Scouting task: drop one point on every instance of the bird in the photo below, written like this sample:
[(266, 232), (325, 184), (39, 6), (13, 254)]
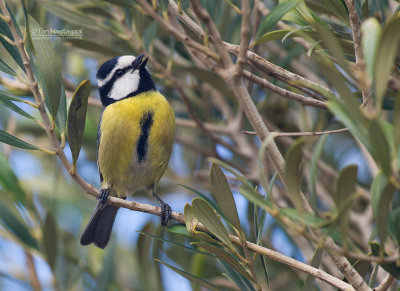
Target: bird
[(135, 138)]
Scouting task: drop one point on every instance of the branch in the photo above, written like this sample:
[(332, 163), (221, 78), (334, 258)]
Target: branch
[(355, 30), (307, 101), (273, 255), (305, 133)]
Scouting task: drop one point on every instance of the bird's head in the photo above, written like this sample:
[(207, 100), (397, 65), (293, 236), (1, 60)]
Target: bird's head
[(123, 77)]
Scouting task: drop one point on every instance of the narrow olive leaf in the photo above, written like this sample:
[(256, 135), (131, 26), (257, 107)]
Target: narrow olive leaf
[(70, 15), (7, 96), (207, 216), (6, 68), (255, 197), (391, 268), (178, 229), (347, 117), (91, 45), (15, 108), (191, 277), (149, 35), (106, 275), (77, 118), (223, 195), (371, 34), (396, 125), (274, 16), (50, 239), (394, 224), (9, 181), (176, 244), (61, 118), (292, 177), (205, 197), (381, 197), (315, 262), (381, 150), (313, 171), (16, 227), (304, 217), (49, 68), (386, 54), (14, 141), (191, 223), (345, 184), (272, 35), (11, 49), (240, 281), (225, 256)]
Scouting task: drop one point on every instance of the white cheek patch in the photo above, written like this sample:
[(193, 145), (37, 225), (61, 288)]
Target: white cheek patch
[(123, 62), (126, 84)]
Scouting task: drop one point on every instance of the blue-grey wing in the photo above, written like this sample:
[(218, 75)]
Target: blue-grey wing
[(98, 146)]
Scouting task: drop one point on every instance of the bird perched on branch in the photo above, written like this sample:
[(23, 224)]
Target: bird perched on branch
[(135, 138)]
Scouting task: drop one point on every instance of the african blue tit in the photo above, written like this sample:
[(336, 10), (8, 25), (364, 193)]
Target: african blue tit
[(135, 138)]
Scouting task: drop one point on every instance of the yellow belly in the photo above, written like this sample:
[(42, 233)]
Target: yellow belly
[(119, 162)]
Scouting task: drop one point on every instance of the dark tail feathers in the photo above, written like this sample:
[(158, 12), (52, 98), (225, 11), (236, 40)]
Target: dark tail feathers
[(98, 230)]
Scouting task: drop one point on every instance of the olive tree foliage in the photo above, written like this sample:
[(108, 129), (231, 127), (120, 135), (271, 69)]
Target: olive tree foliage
[(288, 128)]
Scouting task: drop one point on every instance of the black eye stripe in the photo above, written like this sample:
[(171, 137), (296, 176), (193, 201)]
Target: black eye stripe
[(121, 72)]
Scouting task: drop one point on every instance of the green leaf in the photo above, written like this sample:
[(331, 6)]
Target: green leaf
[(240, 281), (371, 34), (346, 184), (223, 195), (11, 49), (396, 125), (191, 277), (6, 68), (394, 223), (176, 244), (61, 118), (149, 35), (7, 96), (191, 224), (206, 198), (90, 45), (207, 216), (49, 68), (77, 118), (225, 256), (9, 181), (69, 14), (385, 56), (16, 226), (313, 171), (15, 108), (380, 146), (316, 261), (106, 275), (255, 197), (392, 268), (50, 239), (272, 35), (14, 141), (381, 197), (292, 177), (274, 16), (304, 217)]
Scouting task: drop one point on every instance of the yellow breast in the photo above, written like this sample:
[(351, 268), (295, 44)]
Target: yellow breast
[(137, 136)]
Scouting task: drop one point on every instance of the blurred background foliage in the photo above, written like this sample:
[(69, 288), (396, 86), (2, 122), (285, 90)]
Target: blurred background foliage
[(351, 179)]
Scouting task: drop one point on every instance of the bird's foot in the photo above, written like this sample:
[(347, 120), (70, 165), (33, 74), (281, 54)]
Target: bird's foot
[(104, 193), (165, 211)]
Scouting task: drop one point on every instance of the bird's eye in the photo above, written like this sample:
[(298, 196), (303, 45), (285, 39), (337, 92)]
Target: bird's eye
[(119, 73)]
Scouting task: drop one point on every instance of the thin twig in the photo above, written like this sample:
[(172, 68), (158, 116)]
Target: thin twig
[(273, 255), (305, 133)]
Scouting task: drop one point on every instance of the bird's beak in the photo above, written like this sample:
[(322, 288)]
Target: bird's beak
[(137, 62), (144, 62)]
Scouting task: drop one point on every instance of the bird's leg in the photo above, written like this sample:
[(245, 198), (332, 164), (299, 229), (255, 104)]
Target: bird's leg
[(165, 211), (104, 193)]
